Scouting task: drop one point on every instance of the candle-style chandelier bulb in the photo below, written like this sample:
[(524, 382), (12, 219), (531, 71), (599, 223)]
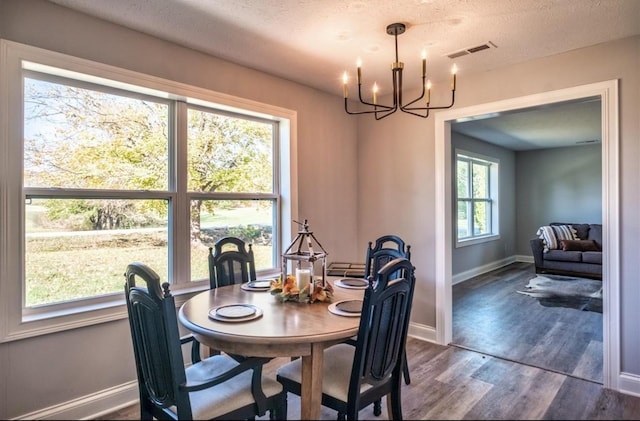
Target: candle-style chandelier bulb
[(381, 111)]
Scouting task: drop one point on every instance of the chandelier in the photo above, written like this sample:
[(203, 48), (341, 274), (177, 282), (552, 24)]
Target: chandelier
[(414, 107)]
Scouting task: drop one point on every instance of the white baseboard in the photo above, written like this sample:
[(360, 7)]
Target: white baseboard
[(463, 276), (109, 400), (524, 258), (468, 274), (90, 406), (422, 332), (629, 384)]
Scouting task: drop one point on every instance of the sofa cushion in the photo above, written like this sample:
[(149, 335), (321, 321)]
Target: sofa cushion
[(552, 234), (564, 256), (579, 245), (592, 257), (582, 230), (595, 234)]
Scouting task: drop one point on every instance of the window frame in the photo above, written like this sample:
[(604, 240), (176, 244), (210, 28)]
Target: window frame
[(14, 58), (493, 172)]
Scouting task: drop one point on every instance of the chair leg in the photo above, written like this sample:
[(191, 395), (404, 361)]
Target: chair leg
[(145, 414), (280, 413), (405, 369), (377, 407), (394, 404)]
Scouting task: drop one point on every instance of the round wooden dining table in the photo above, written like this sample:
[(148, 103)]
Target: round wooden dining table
[(283, 329)]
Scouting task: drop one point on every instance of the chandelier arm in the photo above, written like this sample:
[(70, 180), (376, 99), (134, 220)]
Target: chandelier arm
[(365, 111), (416, 114), (396, 76), (385, 107), (388, 113), (444, 107), (407, 106)]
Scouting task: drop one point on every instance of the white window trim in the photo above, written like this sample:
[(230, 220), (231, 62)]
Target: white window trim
[(12, 55), (494, 187)]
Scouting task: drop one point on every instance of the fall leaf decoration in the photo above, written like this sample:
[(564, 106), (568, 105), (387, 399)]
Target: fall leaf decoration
[(288, 291)]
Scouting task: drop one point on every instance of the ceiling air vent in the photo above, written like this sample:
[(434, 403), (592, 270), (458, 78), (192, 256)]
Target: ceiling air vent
[(472, 50)]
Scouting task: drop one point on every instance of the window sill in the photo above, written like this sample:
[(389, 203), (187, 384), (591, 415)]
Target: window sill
[(57, 320), (477, 240)]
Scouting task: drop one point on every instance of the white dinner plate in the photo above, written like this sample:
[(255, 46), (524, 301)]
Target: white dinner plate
[(257, 285), (352, 283), (235, 313)]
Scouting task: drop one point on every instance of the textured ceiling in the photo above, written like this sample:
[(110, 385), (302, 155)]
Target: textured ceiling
[(313, 41), (571, 123)]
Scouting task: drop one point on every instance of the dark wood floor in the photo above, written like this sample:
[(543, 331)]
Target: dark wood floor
[(491, 317), (450, 382)]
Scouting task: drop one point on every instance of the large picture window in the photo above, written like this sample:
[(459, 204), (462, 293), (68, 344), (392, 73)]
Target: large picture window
[(476, 197), (98, 185), (90, 157), (104, 173)]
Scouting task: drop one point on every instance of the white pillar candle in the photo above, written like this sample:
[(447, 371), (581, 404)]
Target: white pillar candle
[(303, 278)]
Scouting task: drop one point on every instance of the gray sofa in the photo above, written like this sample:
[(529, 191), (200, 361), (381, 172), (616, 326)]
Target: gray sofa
[(572, 262)]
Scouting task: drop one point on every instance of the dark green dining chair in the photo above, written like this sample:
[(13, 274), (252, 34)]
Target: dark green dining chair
[(218, 387), (230, 262), (358, 374), (385, 249)]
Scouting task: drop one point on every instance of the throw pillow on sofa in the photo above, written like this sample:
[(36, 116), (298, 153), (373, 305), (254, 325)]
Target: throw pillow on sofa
[(551, 235), (579, 245)]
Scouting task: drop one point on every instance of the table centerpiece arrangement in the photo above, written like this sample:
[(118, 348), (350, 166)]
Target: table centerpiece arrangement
[(308, 258), (289, 290)]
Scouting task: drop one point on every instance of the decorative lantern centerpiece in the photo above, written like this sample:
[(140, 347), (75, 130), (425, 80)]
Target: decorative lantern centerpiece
[(306, 280)]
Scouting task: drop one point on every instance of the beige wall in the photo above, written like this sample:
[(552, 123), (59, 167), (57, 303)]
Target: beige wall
[(397, 184), (52, 369), (557, 185), (468, 258), (358, 179)]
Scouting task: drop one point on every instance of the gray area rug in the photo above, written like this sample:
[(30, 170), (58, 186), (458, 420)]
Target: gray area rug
[(566, 291)]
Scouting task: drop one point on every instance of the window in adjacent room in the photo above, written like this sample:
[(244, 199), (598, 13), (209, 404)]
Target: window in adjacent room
[(476, 198)]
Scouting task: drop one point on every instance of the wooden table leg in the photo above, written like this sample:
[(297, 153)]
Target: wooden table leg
[(311, 388)]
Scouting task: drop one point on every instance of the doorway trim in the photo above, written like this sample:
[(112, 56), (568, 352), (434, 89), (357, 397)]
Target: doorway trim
[(608, 92)]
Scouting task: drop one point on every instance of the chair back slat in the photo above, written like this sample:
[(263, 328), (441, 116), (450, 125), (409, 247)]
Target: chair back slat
[(383, 325), (231, 263), (385, 249), (155, 336)]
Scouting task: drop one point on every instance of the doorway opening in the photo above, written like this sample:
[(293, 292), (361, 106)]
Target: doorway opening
[(608, 94)]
